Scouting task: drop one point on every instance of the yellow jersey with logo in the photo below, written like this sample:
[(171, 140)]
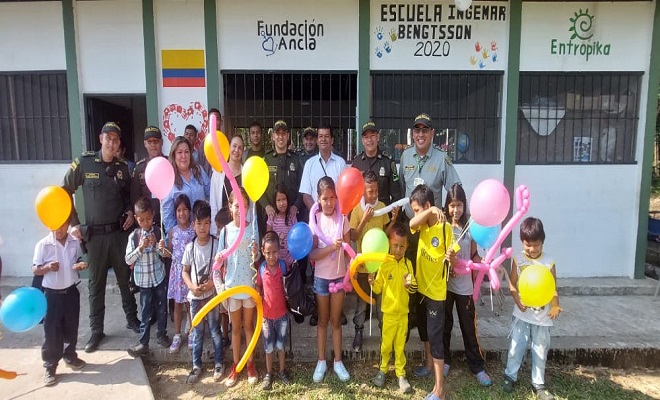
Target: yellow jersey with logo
[(432, 271)]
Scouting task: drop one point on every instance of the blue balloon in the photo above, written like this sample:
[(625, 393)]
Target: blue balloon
[(23, 309), (300, 240), (484, 236)]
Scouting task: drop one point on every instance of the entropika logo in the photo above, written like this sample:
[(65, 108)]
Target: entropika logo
[(580, 44)]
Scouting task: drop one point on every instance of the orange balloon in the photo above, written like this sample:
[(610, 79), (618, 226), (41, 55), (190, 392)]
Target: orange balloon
[(362, 258), (53, 206), (209, 151)]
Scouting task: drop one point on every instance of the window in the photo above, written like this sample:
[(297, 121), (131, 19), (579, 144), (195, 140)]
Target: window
[(567, 118), (34, 117), (464, 107), (301, 99)]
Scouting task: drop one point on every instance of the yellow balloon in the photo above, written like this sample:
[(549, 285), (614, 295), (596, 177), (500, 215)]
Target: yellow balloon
[(219, 298), (53, 206), (209, 150), (255, 177), (361, 259), (536, 286)]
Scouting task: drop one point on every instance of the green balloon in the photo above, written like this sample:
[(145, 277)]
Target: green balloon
[(375, 241)]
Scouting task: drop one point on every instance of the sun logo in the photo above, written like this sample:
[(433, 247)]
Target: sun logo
[(581, 26)]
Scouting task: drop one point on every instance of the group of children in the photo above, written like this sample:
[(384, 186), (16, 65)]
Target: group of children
[(193, 280)]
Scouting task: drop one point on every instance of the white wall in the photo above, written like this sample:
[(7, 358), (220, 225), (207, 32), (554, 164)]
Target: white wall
[(589, 214), (33, 36), (110, 46), (21, 229)]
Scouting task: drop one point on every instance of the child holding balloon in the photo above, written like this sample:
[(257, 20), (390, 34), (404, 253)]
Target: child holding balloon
[(282, 222), (329, 272), (57, 258), (238, 270), (177, 239), (461, 287), (435, 237), (531, 323)]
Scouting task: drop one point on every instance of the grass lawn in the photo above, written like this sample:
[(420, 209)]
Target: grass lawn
[(168, 382)]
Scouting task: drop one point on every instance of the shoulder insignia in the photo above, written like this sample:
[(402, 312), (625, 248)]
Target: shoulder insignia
[(437, 147), (386, 154), (120, 161), (74, 164), (142, 161), (89, 153)]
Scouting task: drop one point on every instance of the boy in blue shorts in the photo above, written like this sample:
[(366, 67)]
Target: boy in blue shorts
[(435, 235)]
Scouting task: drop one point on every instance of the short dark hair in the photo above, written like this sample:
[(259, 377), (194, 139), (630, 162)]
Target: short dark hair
[(222, 217), (370, 177), (257, 124), (182, 199), (422, 194), (201, 210), (212, 110), (270, 237), (325, 125), (399, 229), (191, 126), (531, 230), (143, 204)]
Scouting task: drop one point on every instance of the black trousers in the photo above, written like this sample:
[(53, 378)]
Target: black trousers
[(60, 326), (467, 320)]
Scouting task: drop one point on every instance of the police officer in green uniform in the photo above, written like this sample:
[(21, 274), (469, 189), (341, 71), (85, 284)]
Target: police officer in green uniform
[(284, 167), (373, 159), (106, 186), (153, 142), (309, 149)]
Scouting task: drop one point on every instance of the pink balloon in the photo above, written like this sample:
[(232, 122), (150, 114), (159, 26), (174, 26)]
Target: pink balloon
[(490, 203), (159, 176)]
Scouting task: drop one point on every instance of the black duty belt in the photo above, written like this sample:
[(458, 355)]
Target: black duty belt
[(61, 291), (103, 229)]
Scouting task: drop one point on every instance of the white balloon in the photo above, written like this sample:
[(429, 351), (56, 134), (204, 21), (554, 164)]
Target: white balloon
[(462, 5)]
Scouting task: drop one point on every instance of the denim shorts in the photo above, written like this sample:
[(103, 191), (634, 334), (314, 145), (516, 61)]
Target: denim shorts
[(274, 333), (322, 286)]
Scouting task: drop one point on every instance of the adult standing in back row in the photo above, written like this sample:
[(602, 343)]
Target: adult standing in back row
[(106, 187)]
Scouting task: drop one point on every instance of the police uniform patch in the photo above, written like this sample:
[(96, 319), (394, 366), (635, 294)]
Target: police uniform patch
[(381, 171), (91, 175), (409, 167), (435, 241), (393, 171), (292, 167), (272, 168), (120, 175)]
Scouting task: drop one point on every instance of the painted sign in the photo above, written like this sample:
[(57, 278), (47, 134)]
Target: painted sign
[(437, 36), (586, 36), (304, 35)]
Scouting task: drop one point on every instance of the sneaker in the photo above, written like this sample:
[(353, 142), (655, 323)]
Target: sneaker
[(379, 380), (267, 384), (422, 372), (232, 378), (163, 340), (194, 375), (484, 379), (507, 384), (253, 376), (139, 350), (217, 372), (134, 325), (357, 341), (314, 320), (404, 385), (544, 394), (445, 371), (176, 344), (341, 371), (75, 364), (284, 378), (49, 377), (319, 371)]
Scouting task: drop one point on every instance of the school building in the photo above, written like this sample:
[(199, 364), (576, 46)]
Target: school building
[(559, 96)]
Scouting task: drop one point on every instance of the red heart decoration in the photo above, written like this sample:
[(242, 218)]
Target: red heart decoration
[(176, 117)]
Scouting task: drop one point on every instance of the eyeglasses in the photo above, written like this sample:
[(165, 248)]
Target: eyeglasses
[(421, 130)]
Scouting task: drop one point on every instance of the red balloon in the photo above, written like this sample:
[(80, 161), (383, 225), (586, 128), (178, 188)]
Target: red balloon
[(350, 188)]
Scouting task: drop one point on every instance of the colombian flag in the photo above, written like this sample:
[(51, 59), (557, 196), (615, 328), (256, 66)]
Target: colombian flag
[(183, 68)]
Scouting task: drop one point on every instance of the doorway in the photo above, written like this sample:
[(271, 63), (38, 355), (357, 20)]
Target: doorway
[(128, 111)]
